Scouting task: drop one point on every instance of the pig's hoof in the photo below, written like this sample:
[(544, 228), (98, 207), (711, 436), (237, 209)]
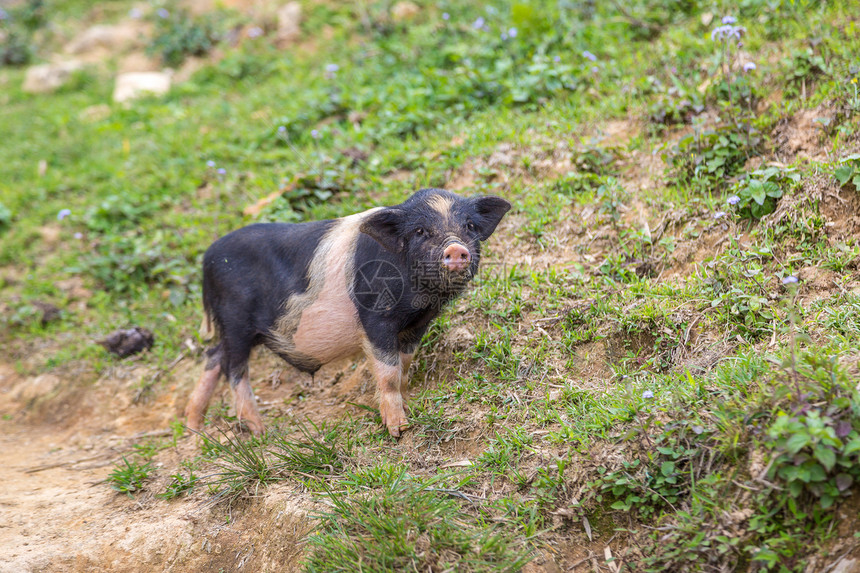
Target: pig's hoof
[(194, 420), (256, 427), (398, 425)]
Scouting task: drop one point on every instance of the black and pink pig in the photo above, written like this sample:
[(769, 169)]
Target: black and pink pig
[(318, 291)]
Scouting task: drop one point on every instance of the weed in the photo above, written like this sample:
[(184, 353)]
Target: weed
[(756, 196), (178, 35), (130, 477), (244, 465), (849, 171), (179, 485), (316, 453), (408, 523)]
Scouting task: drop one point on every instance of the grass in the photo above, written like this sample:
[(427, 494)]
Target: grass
[(633, 353)]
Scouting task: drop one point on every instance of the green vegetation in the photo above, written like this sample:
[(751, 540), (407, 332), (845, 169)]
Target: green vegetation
[(660, 349), (129, 477)]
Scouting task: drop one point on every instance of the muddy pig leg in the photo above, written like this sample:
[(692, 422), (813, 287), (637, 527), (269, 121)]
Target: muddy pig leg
[(388, 377), (246, 404), (202, 394)]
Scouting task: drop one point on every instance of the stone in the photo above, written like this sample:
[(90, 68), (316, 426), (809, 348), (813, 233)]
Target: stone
[(846, 565), (404, 11), (289, 21), (46, 78), (136, 84)]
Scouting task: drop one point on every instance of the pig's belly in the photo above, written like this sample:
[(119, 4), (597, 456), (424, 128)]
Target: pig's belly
[(329, 328)]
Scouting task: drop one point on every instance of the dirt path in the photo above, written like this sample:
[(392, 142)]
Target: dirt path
[(57, 514)]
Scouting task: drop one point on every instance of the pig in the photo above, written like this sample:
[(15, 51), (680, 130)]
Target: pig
[(318, 291)]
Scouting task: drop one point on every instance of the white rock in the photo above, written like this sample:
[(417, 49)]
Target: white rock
[(846, 565), (289, 21), (135, 84), (48, 77)]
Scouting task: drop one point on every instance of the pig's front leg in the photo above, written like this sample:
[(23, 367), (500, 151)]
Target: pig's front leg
[(388, 381)]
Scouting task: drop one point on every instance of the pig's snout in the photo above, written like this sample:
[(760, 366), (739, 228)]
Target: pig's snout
[(456, 257)]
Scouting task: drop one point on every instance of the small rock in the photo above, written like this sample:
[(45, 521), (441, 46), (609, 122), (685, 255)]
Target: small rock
[(404, 11), (135, 84), (46, 78), (846, 565), (127, 342), (707, 18), (289, 21)]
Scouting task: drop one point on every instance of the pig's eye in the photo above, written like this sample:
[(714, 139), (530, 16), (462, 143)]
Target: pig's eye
[(419, 232), (471, 226)]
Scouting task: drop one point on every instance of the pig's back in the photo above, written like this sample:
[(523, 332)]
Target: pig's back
[(252, 271)]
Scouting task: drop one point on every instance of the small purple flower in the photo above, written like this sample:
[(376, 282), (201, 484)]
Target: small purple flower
[(647, 394), (749, 66), (512, 32), (719, 214), (445, 15), (63, 214), (210, 163), (727, 31), (315, 134), (733, 200), (589, 56), (221, 171), (255, 32), (729, 20), (504, 35), (594, 69), (479, 23), (332, 68), (4, 15), (556, 59), (163, 13), (135, 14), (282, 129), (789, 280), (79, 235)]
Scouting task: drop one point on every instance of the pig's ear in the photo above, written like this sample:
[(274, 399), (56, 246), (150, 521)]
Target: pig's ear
[(490, 210), (386, 228)]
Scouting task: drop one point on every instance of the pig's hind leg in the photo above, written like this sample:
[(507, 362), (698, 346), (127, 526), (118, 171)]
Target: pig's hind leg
[(202, 394), (246, 404), (237, 356)]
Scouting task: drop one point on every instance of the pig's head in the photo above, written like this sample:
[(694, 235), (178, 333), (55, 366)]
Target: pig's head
[(437, 235)]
